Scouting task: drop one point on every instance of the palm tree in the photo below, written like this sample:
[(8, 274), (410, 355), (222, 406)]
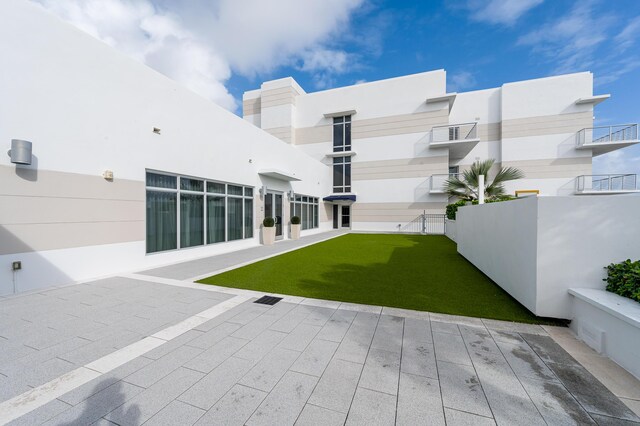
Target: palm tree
[(467, 187)]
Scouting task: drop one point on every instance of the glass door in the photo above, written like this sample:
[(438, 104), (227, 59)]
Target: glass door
[(273, 208)]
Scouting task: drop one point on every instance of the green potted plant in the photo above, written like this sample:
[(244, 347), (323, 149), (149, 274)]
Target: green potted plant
[(268, 231), (295, 227)]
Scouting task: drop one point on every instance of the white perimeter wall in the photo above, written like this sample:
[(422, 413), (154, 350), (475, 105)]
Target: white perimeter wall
[(88, 108), (537, 248)]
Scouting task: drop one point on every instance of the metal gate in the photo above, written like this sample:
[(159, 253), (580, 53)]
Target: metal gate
[(433, 224)]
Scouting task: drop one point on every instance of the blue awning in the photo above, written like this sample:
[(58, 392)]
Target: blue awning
[(346, 197)]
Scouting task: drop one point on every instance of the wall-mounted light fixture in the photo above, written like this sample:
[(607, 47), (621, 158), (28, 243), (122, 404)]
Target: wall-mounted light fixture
[(108, 175), (20, 152), (291, 194), (263, 191), (156, 130)]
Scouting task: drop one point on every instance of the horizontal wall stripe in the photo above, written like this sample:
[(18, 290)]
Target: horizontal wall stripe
[(251, 106), (399, 169), (376, 127), (553, 168), (490, 131), (51, 236), (546, 125), (46, 183), (25, 210), (401, 213)]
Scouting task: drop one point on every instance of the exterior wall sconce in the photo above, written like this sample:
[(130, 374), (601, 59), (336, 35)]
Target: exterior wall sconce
[(20, 152), (156, 130), (108, 175), (291, 194), (263, 191)]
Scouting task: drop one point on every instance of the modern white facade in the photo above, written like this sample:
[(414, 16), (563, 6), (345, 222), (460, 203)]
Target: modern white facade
[(408, 134), (130, 170)]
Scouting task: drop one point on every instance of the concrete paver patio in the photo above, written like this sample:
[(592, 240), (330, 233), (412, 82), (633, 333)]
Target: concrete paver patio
[(291, 363)]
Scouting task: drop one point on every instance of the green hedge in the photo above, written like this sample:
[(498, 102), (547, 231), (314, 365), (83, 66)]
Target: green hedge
[(453, 208), (624, 279)]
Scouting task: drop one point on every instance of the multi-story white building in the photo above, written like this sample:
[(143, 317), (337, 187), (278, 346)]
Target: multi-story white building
[(130, 170), (391, 144)]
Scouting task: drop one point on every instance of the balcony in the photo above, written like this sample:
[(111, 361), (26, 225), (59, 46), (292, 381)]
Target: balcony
[(606, 184), (459, 138), (437, 182), (603, 139)]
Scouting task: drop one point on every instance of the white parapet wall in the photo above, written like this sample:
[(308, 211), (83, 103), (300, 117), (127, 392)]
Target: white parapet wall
[(537, 248), (450, 229)]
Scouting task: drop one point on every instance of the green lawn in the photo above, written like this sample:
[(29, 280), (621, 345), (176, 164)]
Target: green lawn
[(405, 271)]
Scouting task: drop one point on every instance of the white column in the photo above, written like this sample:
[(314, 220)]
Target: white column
[(481, 189)]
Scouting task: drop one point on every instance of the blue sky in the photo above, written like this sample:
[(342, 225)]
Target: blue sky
[(221, 48)]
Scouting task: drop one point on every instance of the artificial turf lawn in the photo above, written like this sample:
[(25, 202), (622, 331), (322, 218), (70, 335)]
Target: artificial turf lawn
[(418, 272)]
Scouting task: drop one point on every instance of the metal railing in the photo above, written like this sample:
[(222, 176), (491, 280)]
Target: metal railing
[(605, 134), (437, 182), (596, 183), (425, 224), (454, 132)]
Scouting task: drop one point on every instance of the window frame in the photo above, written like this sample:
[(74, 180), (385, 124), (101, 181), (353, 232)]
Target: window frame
[(309, 204), (245, 189)]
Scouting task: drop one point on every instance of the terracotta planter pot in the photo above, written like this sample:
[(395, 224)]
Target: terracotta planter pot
[(268, 235), (295, 231)]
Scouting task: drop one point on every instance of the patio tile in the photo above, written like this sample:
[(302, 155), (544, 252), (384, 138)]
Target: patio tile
[(216, 384), (445, 327), (337, 386), (41, 414), (417, 330), (525, 362), (300, 337), (337, 326), (450, 348), (381, 371), (148, 375), (357, 307), (261, 345), (313, 416), (372, 408), (176, 413), (234, 408), (460, 418), (555, 403), (292, 319), (355, 344), (315, 358), (514, 327), (320, 315), (173, 344), (285, 403), (457, 319), (388, 335), (149, 402), (216, 355), (418, 357), (266, 373), (419, 401), (213, 336), (461, 389), (98, 405), (406, 313), (612, 421)]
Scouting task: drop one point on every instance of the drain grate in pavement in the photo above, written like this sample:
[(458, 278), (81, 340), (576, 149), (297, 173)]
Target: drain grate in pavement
[(268, 300)]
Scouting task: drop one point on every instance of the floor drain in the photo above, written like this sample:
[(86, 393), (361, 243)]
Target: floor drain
[(268, 300)]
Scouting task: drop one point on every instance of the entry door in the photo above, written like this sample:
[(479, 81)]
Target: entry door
[(345, 216), (273, 208)]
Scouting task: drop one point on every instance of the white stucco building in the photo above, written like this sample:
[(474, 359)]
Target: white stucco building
[(404, 136), (130, 170)]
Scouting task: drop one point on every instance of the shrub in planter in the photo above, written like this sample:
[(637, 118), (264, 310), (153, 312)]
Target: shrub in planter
[(268, 222), (624, 279), (268, 231), (295, 227)]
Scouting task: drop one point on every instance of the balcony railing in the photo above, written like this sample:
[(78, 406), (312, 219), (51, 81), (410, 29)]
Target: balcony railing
[(607, 134), (606, 183), (454, 132), (437, 182)]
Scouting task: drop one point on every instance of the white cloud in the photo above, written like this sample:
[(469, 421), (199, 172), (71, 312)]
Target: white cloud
[(200, 43), (460, 81), (505, 12), (629, 35)]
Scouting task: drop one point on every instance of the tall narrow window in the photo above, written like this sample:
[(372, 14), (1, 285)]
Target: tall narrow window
[(215, 219), (306, 208), (234, 219), (248, 218), (342, 174), (342, 133), (191, 220), (162, 222)]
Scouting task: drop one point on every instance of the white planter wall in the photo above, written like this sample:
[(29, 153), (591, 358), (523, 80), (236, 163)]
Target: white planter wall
[(536, 248)]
